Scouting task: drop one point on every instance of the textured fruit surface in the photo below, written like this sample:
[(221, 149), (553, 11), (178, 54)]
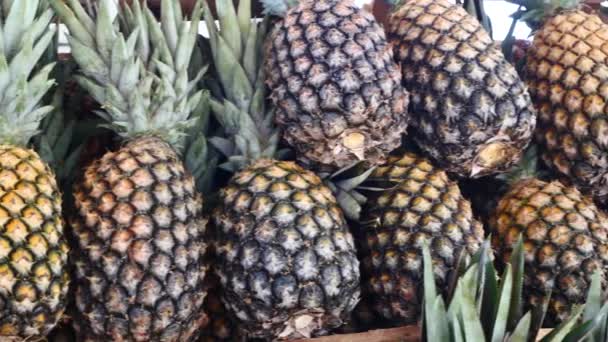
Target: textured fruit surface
[(335, 85), (422, 205), (565, 240), (33, 250), (470, 111), (139, 247), (568, 79), (286, 259)]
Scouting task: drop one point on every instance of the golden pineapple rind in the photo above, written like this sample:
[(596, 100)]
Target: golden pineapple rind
[(285, 254), (470, 111), (33, 250), (567, 76), (335, 85), (565, 239), (421, 204), (139, 248)]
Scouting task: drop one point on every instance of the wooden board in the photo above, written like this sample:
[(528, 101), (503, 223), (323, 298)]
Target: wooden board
[(402, 334)]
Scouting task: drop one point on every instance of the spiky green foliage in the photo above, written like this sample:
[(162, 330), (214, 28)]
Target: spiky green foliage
[(199, 159), (24, 38), (533, 12), (527, 167), (487, 308), (241, 110), (138, 69), (595, 315), (54, 144)]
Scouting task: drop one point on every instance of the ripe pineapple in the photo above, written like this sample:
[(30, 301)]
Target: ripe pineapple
[(285, 258), (33, 250), (420, 204), (334, 83), (565, 239), (139, 228), (566, 73), (470, 111)]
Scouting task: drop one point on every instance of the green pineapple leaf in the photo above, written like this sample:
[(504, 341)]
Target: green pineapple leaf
[(26, 68), (143, 90), (580, 332), (517, 262), (522, 329), (594, 297), (595, 311), (490, 313), (560, 332), (238, 98), (473, 331), (538, 315), (435, 322), (501, 316)]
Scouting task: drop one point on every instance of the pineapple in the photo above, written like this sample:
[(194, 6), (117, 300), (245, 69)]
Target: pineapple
[(285, 257), (470, 111), (566, 72), (33, 250), (565, 239), (138, 229), (335, 86), (419, 205)]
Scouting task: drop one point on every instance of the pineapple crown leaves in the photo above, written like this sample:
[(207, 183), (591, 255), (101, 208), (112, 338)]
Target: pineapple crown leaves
[(24, 38), (485, 307), (278, 7), (527, 167), (346, 184), (136, 69), (533, 12), (199, 159), (237, 49), (55, 142)]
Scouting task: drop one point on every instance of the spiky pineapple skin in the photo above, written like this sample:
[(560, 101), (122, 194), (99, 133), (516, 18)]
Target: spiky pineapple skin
[(335, 85), (34, 276), (285, 255), (420, 204), (567, 73), (138, 256), (470, 111), (565, 238)]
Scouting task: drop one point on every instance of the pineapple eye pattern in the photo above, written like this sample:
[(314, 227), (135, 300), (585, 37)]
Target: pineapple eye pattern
[(284, 250), (421, 204)]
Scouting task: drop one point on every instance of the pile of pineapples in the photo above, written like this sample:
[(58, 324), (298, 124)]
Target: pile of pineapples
[(303, 174)]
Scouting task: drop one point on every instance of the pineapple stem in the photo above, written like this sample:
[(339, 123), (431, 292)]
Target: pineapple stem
[(136, 69)]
